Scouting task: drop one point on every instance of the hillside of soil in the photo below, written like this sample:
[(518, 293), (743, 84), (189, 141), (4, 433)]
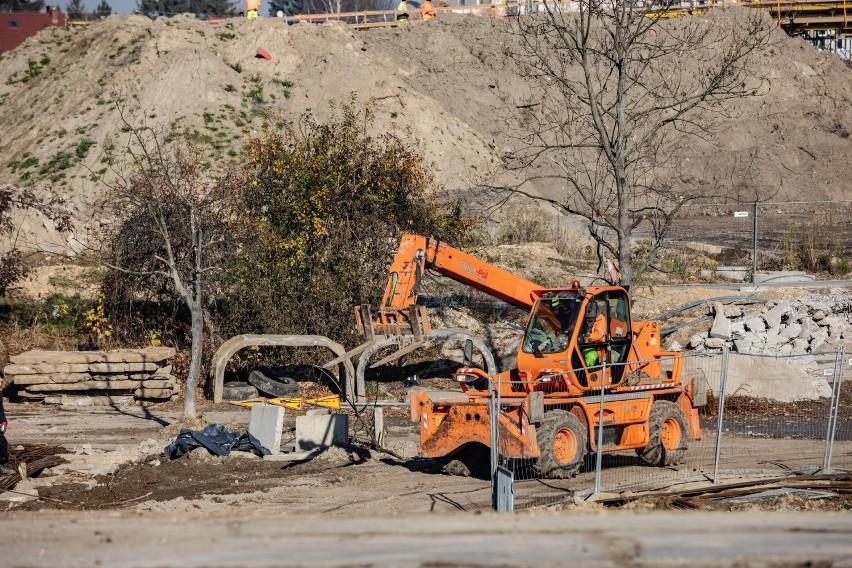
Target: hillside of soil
[(64, 92)]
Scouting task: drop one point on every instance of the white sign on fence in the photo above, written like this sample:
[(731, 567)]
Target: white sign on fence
[(827, 372), (740, 213)]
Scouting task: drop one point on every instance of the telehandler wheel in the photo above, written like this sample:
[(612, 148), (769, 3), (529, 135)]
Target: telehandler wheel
[(667, 442), (563, 442)]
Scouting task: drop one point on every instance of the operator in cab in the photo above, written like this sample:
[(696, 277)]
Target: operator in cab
[(594, 324)]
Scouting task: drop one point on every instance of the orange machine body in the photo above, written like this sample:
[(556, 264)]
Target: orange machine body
[(559, 364)]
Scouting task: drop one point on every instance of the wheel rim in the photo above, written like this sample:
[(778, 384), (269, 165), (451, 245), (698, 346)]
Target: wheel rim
[(671, 434), (565, 446)]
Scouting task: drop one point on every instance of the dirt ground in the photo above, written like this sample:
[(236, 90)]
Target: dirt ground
[(115, 463)]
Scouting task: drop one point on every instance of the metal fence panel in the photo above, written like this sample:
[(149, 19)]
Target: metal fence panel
[(764, 416)]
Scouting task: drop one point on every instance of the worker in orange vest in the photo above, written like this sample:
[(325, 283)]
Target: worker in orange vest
[(252, 8), (426, 10)]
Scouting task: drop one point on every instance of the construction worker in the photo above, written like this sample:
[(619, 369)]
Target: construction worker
[(252, 8), (402, 12), (4, 446), (426, 10), (595, 325)]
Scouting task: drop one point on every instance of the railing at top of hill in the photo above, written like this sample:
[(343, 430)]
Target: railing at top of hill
[(796, 14)]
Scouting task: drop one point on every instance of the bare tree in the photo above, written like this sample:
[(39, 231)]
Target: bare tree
[(614, 92), (170, 225), (14, 199)]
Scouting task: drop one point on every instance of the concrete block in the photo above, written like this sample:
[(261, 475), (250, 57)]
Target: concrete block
[(84, 385), (733, 311), (742, 345), (818, 315), (56, 378), (721, 327), (122, 367), (783, 276), (738, 329), (145, 392), (158, 384), (734, 273), (266, 424), (313, 431), (714, 343), (148, 354), (785, 349), (774, 316), (756, 324), (791, 331), (800, 346), (817, 341), (697, 340), (807, 330), (379, 425)]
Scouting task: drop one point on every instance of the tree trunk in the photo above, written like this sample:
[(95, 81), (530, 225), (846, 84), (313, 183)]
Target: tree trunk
[(195, 362)]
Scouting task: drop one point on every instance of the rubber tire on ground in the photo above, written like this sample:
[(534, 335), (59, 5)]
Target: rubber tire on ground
[(238, 391), (273, 382), (667, 441), (563, 442)]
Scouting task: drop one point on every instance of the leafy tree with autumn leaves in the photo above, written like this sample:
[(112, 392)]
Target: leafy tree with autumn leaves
[(324, 205)]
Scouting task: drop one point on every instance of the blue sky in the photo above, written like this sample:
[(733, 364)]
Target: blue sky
[(121, 7)]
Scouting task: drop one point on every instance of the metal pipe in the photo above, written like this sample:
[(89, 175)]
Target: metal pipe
[(723, 383), (754, 246), (599, 453), (833, 409)]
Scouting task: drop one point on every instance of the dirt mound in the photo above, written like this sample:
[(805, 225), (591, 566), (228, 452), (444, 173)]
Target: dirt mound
[(437, 80)]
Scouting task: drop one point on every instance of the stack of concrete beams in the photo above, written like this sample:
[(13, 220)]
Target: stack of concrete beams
[(144, 373)]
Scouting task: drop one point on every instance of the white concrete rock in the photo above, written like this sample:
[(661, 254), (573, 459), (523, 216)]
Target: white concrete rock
[(756, 324)]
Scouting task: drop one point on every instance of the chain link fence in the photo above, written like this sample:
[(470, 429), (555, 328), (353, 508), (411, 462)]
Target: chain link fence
[(764, 417), (735, 241)]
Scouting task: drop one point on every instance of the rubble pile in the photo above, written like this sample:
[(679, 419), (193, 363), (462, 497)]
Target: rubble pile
[(144, 373), (781, 328)]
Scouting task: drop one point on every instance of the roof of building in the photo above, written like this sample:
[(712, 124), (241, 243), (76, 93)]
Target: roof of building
[(15, 27)]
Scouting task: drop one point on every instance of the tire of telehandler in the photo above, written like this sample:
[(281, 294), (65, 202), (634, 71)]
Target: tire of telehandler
[(563, 443), (667, 441)]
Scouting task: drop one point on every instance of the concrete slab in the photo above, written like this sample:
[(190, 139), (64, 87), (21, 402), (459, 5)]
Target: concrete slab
[(321, 431), (266, 424), (783, 276)]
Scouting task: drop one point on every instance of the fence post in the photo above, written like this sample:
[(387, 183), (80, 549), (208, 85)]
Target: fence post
[(492, 425), (599, 453), (723, 383), (836, 382), (754, 245)]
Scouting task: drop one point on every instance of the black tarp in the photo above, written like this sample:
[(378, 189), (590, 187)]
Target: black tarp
[(217, 439)]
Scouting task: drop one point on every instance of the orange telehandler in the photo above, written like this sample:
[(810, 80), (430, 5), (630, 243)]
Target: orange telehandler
[(550, 404)]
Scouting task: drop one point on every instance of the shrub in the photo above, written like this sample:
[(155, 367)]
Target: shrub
[(324, 206)]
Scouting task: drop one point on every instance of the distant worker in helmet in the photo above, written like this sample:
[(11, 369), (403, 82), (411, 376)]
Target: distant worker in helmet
[(426, 10), (252, 8), (402, 12), (595, 332)]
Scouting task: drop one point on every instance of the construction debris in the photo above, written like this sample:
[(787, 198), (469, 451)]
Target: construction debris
[(806, 325), (28, 461), (144, 373)]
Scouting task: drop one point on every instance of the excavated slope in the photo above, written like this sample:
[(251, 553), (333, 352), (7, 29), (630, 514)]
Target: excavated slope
[(437, 80)]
